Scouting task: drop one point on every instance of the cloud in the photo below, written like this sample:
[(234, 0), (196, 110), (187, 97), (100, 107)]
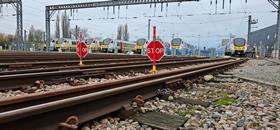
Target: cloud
[(187, 21)]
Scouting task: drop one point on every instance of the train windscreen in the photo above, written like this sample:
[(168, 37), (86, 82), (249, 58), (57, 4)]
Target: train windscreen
[(176, 42), (141, 41), (239, 42), (74, 42), (89, 41), (107, 41)]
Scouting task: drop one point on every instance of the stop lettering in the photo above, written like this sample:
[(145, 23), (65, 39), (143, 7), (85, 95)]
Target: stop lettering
[(155, 50)]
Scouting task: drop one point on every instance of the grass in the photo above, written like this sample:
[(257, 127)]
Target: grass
[(184, 112), (226, 101)]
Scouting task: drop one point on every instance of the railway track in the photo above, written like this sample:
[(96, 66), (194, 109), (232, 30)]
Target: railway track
[(15, 57), (62, 74), (49, 64), (50, 110), (12, 56)]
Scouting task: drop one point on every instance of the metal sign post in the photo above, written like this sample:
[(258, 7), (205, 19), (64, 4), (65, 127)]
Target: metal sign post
[(155, 51)]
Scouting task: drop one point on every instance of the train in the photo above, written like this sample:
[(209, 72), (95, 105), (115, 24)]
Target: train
[(236, 47), (108, 45), (62, 44), (180, 47), (176, 47), (140, 45), (116, 46)]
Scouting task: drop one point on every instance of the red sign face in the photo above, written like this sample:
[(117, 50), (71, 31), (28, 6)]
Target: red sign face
[(81, 49), (155, 50)]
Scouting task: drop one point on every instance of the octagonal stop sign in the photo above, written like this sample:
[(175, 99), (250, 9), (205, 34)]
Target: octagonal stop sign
[(155, 50), (81, 50)]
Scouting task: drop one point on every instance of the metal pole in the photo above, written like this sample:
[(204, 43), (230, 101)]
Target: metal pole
[(19, 26), (199, 45), (278, 31), (249, 29), (25, 35), (48, 29), (76, 31), (149, 26)]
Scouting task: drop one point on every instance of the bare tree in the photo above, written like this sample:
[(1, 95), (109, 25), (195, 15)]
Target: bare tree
[(125, 33), (120, 33), (38, 36), (57, 27), (31, 34), (76, 32), (35, 35), (4, 39), (65, 23)]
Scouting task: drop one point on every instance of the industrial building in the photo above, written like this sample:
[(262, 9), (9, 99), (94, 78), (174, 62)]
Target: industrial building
[(263, 40)]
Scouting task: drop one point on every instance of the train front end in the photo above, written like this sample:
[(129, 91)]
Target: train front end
[(140, 44), (239, 46)]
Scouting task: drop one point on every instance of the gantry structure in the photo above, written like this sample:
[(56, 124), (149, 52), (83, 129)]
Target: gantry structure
[(19, 32), (50, 10)]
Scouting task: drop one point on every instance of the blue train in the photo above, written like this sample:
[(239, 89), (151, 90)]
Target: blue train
[(179, 47)]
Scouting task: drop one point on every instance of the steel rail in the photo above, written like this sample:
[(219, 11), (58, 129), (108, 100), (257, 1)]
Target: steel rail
[(48, 64), (97, 64), (28, 79), (93, 105), (38, 98), (39, 56)]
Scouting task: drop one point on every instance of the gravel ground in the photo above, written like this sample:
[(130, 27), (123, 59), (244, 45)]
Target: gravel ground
[(261, 70), (234, 106), (41, 87)]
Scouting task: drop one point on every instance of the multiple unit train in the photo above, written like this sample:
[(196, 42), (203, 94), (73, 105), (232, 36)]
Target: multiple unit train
[(180, 47), (141, 45), (108, 45), (236, 47), (94, 45)]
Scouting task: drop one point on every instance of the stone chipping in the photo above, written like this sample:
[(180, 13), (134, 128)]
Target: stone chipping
[(234, 105)]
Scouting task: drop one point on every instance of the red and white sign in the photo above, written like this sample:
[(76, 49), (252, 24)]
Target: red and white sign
[(155, 51), (82, 50), (81, 47)]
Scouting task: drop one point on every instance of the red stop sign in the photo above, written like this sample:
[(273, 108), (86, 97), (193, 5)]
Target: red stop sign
[(81, 49), (155, 50)]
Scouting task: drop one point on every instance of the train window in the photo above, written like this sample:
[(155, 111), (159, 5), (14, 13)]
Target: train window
[(107, 41), (74, 42), (141, 41), (239, 42), (176, 42)]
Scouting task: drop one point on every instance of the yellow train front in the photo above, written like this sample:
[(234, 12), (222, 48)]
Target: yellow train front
[(104, 46), (140, 44), (237, 47)]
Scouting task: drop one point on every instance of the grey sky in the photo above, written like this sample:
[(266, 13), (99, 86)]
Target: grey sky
[(211, 28)]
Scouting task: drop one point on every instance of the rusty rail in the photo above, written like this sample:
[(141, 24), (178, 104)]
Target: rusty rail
[(48, 116), (19, 66), (11, 56), (57, 76)]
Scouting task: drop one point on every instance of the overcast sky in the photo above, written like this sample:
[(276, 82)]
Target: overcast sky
[(195, 22)]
